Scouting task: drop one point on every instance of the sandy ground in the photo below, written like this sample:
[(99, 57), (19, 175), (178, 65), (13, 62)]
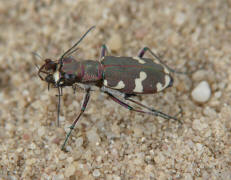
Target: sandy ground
[(110, 142)]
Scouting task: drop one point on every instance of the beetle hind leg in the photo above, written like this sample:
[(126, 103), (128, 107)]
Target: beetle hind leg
[(145, 49), (151, 111), (156, 112)]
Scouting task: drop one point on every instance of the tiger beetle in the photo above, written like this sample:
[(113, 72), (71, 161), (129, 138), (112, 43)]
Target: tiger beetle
[(118, 77)]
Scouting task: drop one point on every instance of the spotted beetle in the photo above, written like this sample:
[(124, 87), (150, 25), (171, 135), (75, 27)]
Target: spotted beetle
[(118, 77)]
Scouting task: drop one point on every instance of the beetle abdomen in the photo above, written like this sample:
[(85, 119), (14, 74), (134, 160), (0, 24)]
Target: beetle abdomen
[(135, 75)]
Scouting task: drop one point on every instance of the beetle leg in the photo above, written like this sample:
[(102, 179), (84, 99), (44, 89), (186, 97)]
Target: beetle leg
[(76, 87), (60, 91), (142, 52), (151, 111), (103, 52), (145, 49), (83, 107), (156, 112)]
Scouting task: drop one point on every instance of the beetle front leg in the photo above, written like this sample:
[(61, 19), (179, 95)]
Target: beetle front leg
[(60, 90), (83, 107)]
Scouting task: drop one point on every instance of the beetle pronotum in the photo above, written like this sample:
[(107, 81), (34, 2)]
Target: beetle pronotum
[(122, 77)]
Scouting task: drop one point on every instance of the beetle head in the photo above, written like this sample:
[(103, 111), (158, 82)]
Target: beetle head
[(52, 69), (48, 71)]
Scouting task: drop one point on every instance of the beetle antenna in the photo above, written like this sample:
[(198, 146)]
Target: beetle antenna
[(36, 66), (76, 44), (74, 50), (37, 55)]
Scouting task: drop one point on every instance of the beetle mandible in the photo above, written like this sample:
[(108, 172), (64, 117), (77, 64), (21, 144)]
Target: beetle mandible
[(118, 77)]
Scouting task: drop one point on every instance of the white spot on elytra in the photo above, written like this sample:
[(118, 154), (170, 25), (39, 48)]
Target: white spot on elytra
[(141, 61), (166, 70), (120, 85), (160, 87), (138, 82)]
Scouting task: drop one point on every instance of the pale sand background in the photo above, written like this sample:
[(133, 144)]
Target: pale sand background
[(110, 142)]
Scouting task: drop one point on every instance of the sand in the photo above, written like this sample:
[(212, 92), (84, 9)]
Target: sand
[(110, 142)]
